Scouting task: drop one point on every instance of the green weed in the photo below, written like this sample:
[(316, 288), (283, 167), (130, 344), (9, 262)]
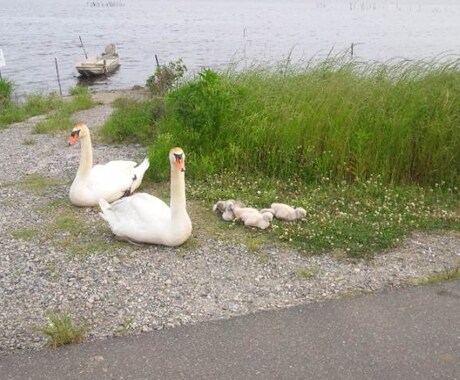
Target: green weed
[(166, 77), (25, 233), (28, 141), (123, 328), (37, 184), (451, 274), (61, 329), (307, 272)]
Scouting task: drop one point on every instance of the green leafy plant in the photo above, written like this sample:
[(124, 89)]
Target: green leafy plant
[(166, 77)]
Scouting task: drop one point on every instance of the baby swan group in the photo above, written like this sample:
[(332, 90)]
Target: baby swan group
[(111, 181), (285, 212), (251, 217)]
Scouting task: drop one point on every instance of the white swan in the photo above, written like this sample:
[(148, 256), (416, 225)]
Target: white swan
[(110, 181), (143, 218)]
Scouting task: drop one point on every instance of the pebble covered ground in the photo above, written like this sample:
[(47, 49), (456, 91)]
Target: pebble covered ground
[(122, 289)]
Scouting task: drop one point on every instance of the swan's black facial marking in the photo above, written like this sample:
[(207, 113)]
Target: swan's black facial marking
[(75, 133), (179, 158)]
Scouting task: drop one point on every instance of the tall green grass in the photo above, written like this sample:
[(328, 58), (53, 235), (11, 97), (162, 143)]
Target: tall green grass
[(337, 119), (133, 121), (6, 89)]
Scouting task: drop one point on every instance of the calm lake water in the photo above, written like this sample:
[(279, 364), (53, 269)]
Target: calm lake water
[(212, 33)]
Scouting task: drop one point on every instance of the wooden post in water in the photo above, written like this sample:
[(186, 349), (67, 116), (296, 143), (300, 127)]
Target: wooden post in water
[(156, 59), (351, 49), (84, 51), (57, 72)]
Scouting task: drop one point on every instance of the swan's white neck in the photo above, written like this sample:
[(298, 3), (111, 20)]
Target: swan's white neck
[(178, 202), (86, 157)]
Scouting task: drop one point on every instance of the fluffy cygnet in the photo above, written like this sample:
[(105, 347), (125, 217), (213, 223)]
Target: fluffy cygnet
[(234, 211), (257, 219), (220, 206), (285, 212)]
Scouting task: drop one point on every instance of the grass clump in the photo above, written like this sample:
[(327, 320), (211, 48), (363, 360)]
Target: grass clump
[(60, 119), (37, 184), (61, 329), (33, 105), (133, 121), (307, 272), (6, 89), (38, 104)]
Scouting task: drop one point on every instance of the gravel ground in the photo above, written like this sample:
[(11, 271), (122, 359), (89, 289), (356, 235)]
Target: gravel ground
[(127, 289)]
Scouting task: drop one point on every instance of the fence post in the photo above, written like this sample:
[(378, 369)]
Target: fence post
[(57, 72)]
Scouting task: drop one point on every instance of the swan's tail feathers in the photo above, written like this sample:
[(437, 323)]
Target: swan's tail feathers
[(139, 172), (104, 205)]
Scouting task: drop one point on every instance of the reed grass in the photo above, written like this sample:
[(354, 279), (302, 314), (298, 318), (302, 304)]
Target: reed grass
[(339, 119)]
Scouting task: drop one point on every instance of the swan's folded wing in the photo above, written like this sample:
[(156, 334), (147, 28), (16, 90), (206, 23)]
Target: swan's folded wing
[(113, 177), (141, 208), (140, 217)]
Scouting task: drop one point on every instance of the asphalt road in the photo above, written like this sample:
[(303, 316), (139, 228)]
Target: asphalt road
[(411, 333)]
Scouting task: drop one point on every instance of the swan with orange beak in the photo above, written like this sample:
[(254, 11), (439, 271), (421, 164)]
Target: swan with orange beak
[(111, 181)]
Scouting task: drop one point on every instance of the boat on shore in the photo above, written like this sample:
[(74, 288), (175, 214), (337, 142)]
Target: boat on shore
[(102, 64)]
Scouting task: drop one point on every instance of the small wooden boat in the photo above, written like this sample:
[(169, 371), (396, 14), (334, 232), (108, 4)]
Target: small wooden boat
[(102, 64)]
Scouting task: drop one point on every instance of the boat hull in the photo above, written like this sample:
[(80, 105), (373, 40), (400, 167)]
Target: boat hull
[(95, 66)]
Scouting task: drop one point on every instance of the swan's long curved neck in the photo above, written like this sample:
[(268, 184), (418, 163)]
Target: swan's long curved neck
[(86, 157), (178, 202)]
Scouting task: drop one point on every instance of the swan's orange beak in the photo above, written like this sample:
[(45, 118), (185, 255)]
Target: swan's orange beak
[(179, 161), (73, 138)]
